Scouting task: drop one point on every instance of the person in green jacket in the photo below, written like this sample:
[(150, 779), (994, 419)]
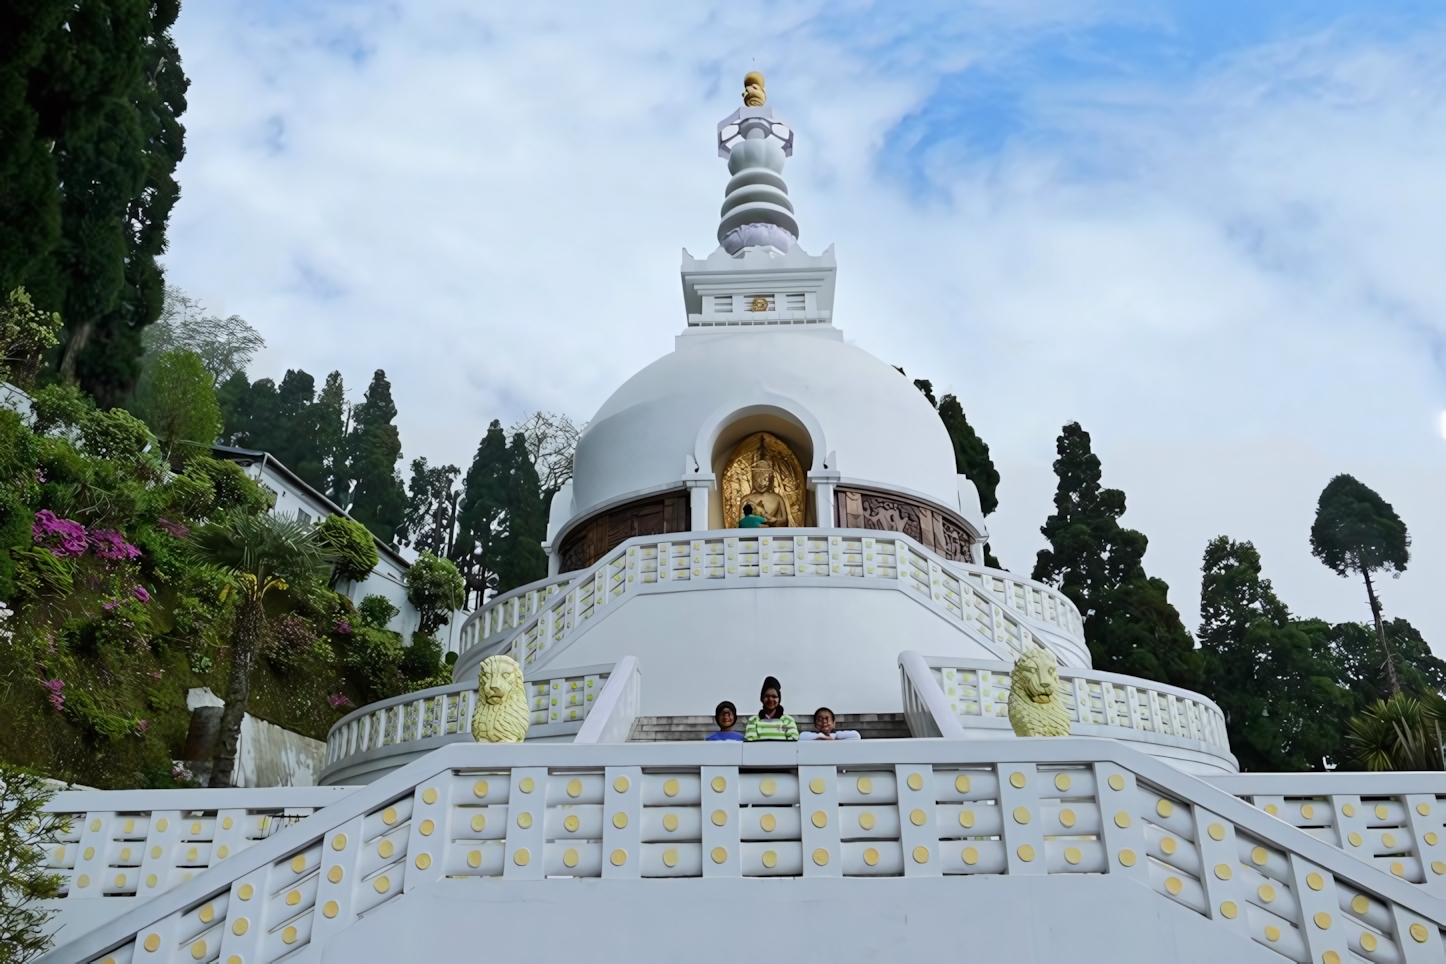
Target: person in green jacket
[(771, 723), (750, 520)]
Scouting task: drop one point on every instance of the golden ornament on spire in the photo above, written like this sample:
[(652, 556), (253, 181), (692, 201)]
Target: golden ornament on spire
[(753, 93)]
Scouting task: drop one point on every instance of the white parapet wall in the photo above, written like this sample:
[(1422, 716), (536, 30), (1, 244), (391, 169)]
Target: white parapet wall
[(1075, 847)]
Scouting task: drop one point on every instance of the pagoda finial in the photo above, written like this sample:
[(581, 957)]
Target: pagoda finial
[(754, 94)]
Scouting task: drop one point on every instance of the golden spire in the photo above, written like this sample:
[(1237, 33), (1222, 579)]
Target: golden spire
[(753, 93)]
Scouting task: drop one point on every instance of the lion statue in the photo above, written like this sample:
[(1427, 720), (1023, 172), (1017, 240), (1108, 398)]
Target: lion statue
[(1036, 706), (502, 715)]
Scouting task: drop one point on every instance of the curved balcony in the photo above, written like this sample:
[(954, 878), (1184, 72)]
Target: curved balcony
[(1000, 610), (969, 699), (382, 736)]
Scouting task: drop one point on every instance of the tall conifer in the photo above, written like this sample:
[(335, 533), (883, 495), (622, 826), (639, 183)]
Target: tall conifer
[(522, 559), (484, 495), (378, 499)]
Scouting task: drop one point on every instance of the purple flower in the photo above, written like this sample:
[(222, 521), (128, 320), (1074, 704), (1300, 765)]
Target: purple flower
[(61, 537), (338, 700), (56, 687), (142, 726), (108, 606), (141, 594), (342, 626), (110, 544)]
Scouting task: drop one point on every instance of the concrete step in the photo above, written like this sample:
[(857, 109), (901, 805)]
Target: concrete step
[(670, 729)]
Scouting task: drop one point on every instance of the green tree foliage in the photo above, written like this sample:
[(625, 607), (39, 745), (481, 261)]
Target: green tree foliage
[(24, 879), (1275, 681), (1356, 531), (261, 554), (177, 400), (1358, 652), (521, 559), (378, 499), (26, 333), (431, 518), (484, 495), (1130, 625), (349, 546), (301, 428), (435, 587), (1401, 733), (101, 100)]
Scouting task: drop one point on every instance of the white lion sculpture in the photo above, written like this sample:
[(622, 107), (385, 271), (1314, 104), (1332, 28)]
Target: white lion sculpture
[(502, 715), (1036, 707)]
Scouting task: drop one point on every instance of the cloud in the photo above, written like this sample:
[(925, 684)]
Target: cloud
[(1214, 240)]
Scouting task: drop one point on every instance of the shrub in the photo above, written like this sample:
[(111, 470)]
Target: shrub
[(435, 587), (23, 877), (422, 660), (377, 612), (233, 488), (351, 548)]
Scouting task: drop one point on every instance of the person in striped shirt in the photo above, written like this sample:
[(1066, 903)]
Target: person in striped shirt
[(771, 723)]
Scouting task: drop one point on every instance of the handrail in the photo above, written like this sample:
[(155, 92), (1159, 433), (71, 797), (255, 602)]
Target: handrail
[(997, 807), (925, 709), (978, 691), (505, 610), (427, 718), (985, 603), (612, 716)]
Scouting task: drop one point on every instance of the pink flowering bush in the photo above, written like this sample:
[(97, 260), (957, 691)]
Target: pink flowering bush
[(62, 537), (110, 544), (338, 701), (56, 690)]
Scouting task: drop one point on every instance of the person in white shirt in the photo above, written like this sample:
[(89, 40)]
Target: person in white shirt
[(823, 728)]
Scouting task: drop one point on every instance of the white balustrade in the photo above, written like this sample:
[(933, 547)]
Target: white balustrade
[(1005, 613), (926, 809)]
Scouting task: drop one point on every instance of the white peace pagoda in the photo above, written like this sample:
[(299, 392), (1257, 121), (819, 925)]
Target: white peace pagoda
[(615, 833)]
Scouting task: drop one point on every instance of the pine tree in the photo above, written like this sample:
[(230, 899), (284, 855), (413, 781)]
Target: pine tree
[(525, 521), (1356, 530), (1275, 681), (1130, 625), (234, 395), (484, 493), (378, 500), (330, 418)]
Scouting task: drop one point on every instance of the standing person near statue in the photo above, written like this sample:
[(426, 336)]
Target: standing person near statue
[(750, 520), (771, 723)]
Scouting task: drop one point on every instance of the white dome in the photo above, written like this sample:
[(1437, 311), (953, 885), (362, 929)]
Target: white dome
[(818, 393)]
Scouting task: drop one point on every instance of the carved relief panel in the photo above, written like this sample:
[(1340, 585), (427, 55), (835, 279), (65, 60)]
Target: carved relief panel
[(857, 509)]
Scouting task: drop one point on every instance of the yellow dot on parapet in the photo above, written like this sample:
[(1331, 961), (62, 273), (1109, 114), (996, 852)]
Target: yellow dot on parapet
[(207, 914), (1228, 910), (474, 859), (479, 822), (1216, 831), (1174, 885), (768, 822), (970, 856), (1432, 839), (1322, 920), (162, 824), (871, 857), (1423, 808), (621, 784), (1438, 868), (820, 856), (238, 927), (298, 863), (966, 819), (1418, 932), (293, 898), (389, 816), (916, 781), (1259, 856), (719, 818), (571, 823), (384, 849), (196, 827), (1272, 933), (574, 788), (1073, 855), (120, 880), (670, 857), (819, 818), (1272, 809), (770, 859), (524, 820), (245, 891), (1307, 811), (479, 789), (1222, 871), (619, 857), (288, 936), (152, 942), (768, 787), (1360, 904), (331, 909), (719, 855), (1061, 782), (1314, 881), (864, 785), (1116, 782), (1368, 941), (1021, 815), (1354, 838), (423, 861), (83, 881), (1349, 809), (620, 820), (1025, 852), (95, 826), (1382, 811), (1127, 858), (816, 785), (152, 880), (1266, 893), (198, 950), (917, 817), (569, 857), (521, 857), (1122, 819), (1164, 808), (527, 785), (671, 788), (1398, 868), (1388, 840), (1016, 780), (338, 842), (193, 855), (921, 855), (1168, 846), (89, 853), (961, 784)]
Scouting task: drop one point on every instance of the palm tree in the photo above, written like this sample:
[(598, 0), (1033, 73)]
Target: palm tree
[(1401, 733), (262, 553)]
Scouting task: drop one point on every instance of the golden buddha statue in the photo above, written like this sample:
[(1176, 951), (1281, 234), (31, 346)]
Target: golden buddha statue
[(763, 472)]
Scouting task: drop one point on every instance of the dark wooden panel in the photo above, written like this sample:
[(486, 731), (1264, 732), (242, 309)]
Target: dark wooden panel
[(933, 528), (591, 540)]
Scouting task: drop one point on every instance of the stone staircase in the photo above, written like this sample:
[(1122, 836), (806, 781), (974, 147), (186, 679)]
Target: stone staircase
[(673, 729)]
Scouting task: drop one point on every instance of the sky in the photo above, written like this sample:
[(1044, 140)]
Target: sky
[(1210, 232)]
